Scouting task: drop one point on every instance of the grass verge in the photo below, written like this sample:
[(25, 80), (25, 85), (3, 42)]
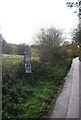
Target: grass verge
[(31, 97)]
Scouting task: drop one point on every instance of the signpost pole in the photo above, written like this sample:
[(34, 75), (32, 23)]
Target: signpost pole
[(27, 53)]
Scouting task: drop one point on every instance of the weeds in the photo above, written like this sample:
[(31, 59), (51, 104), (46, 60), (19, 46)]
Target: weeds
[(29, 96)]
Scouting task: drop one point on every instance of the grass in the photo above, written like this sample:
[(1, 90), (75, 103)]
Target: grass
[(35, 104), (30, 96), (17, 58), (13, 59), (38, 103), (34, 52)]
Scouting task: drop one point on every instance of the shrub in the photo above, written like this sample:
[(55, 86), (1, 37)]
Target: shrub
[(80, 53), (29, 95)]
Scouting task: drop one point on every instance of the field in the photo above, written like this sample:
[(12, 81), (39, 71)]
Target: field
[(29, 96), (12, 59)]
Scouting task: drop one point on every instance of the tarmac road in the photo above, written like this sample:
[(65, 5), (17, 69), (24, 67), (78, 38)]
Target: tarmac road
[(67, 103)]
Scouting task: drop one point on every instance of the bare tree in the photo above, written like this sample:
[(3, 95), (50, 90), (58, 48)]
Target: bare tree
[(49, 41)]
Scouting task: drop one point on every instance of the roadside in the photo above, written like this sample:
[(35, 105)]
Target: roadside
[(80, 90), (67, 103)]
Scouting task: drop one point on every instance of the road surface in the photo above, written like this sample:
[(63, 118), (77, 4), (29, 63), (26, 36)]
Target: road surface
[(67, 104)]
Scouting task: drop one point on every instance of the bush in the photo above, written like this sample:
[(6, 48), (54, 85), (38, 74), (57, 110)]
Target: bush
[(80, 53), (28, 96)]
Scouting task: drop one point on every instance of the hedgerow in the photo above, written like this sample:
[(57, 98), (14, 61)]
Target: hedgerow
[(29, 95)]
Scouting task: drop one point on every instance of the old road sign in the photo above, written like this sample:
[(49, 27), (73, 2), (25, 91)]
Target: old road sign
[(27, 53)]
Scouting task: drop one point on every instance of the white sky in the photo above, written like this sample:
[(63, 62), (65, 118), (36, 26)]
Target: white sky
[(20, 20)]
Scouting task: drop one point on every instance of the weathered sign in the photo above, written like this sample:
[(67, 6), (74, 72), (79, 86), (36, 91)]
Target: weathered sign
[(28, 67), (27, 53)]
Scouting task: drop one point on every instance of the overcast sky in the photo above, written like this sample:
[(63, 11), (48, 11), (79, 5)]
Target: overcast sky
[(20, 20)]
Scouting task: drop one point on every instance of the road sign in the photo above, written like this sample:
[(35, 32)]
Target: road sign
[(27, 53), (28, 67)]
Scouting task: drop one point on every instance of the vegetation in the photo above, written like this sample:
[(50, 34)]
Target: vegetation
[(77, 38), (77, 32), (8, 48), (49, 41), (28, 96), (71, 50), (80, 53)]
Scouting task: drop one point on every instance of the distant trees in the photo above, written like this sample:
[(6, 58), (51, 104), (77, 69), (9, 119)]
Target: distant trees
[(77, 35), (72, 50), (2, 40), (20, 49), (12, 49), (76, 32), (6, 48)]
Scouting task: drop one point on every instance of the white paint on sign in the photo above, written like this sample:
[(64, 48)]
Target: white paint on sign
[(28, 68)]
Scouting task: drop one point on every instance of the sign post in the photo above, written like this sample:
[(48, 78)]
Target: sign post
[(27, 53)]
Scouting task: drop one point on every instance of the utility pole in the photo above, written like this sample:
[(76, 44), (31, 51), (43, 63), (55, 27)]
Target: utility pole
[(0, 75), (27, 53)]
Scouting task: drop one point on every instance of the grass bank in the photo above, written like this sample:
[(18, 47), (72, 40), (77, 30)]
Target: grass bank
[(29, 96)]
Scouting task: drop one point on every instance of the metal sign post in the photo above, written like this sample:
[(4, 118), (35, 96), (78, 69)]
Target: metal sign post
[(27, 53)]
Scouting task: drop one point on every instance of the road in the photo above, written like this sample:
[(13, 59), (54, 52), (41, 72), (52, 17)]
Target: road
[(67, 104)]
